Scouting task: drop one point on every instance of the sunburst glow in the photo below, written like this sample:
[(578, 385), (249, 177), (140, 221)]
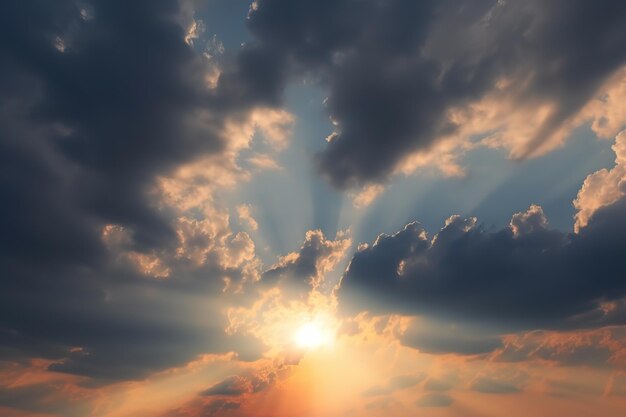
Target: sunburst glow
[(313, 335)]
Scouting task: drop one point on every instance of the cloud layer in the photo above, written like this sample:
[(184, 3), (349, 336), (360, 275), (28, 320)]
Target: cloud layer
[(403, 77)]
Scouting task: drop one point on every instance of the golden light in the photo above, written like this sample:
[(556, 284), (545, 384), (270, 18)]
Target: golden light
[(313, 335)]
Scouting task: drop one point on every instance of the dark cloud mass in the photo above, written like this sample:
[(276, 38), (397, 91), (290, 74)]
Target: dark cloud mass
[(94, 105), (395, 69), (525, 276), (97, 99)]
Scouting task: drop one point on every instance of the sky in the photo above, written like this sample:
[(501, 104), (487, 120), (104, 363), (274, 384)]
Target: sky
[(331, 208)]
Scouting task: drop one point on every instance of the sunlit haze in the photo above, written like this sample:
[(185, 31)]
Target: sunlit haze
[(312, 335)]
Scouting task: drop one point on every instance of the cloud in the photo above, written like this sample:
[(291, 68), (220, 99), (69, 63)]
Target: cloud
[(233, 386), (437, 337), (603, 348), (366, 196), (294, 292), (309, 266), (217, 406), (603, 187), (116, 134), (117, 257), (42, 398), (522, 277), (245, 217), (434, 400), (404, 77), (529, 221), (493, 386)]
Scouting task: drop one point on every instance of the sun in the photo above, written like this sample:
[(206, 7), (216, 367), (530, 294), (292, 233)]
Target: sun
[(313, 335)]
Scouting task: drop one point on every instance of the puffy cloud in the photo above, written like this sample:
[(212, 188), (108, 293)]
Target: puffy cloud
[(367, 195), (309, 266), (245, 217), (608, 111), (522, 277), (529, 221), (603, 187)]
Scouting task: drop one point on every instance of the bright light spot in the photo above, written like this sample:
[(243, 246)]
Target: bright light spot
[(313, 335)]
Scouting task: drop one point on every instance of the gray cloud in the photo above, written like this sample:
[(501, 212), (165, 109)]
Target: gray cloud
[(394, 70), (489, 385), (600, 348), (233, 386), (94, 107), (434, 400), (512, 281), (300, 271), (218, 406), (441, 338)]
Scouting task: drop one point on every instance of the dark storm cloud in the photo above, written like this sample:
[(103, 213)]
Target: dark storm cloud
[(97, 99), (116, 96), (521, 277), (86, 127), (394, 68)]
